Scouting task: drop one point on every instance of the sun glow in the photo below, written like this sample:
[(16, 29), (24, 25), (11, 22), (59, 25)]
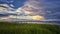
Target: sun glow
[(37, 17)]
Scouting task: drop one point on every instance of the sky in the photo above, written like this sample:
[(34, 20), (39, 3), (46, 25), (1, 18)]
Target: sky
[(30, 9)]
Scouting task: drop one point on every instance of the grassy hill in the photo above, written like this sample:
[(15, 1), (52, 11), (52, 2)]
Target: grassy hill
[(24, 28)]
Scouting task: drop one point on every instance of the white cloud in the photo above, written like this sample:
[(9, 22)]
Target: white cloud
[(23, 17), (11, 5), (5, 7), (33, 6)]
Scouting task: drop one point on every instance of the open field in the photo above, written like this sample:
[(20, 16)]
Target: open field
[(24, 28)]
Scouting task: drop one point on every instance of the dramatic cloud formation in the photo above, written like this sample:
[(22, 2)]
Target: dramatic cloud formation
[(48, 9), (30, 9)]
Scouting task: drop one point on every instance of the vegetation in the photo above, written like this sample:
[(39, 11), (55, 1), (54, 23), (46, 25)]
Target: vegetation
[(24, 28)]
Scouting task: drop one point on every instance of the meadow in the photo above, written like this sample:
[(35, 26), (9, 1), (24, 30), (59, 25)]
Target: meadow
[(25, 28)]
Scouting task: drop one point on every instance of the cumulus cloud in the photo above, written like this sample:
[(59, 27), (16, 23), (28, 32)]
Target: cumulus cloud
[(23, 11)]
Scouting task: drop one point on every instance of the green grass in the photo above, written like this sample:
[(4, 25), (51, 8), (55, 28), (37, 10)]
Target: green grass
[(24, 28)]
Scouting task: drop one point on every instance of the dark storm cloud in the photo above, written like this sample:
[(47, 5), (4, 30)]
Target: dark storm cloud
[(50, 9)]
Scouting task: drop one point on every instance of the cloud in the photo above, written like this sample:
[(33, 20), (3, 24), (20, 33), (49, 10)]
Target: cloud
[(36, 10), (12, 5), (22, 17), (33, 7), (45, 8), (6, 11), (27, 14), (5, 8)]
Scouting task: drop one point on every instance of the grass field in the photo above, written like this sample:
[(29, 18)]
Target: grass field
[(24, 28)]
